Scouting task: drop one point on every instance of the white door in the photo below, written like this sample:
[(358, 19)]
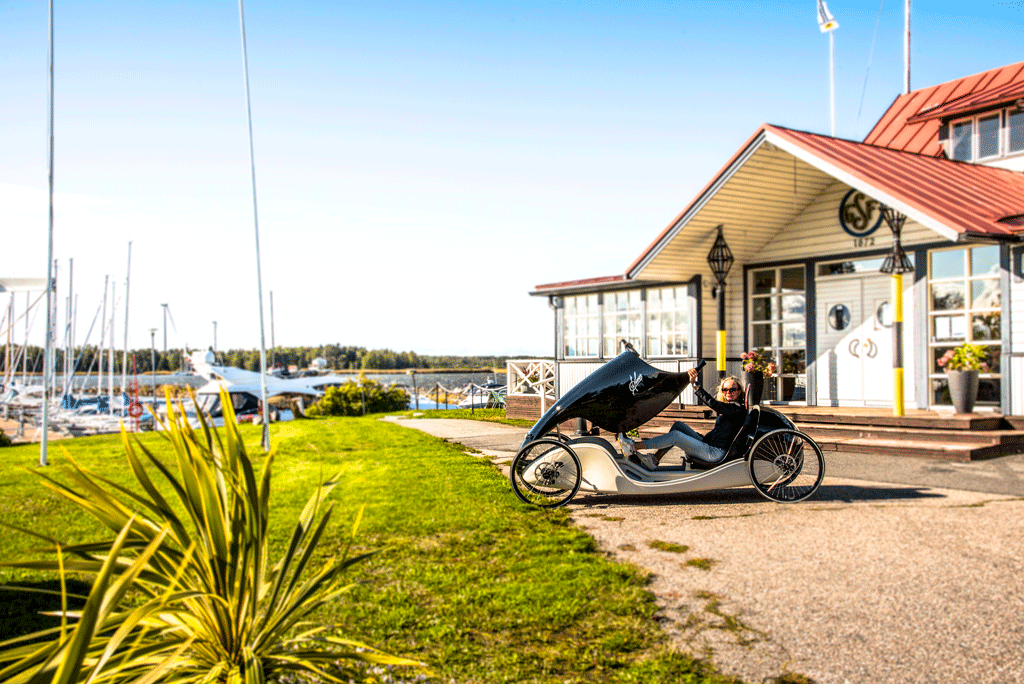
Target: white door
[(854, 364)]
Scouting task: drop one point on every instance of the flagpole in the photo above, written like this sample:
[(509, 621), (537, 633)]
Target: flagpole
[(832, 77), (906, 47)]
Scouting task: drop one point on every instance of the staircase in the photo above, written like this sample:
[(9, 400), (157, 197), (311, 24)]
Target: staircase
[(930, 434)]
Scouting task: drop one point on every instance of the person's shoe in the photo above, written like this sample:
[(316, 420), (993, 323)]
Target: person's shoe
[(627, 445), (660, 454), (647, 461)]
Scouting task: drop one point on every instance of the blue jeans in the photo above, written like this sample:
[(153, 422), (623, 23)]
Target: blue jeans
[(689, 440)]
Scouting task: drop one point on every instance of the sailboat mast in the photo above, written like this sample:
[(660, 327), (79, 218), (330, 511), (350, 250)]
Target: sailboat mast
[(110, 350), (103, 339), (49, 253), (124, 354), (24, 356), (256, 226)]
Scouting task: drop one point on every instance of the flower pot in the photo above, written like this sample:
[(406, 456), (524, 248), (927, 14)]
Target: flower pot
[(753, 381), (963, 389)]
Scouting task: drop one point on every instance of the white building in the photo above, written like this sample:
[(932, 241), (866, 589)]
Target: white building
[(801, 216)]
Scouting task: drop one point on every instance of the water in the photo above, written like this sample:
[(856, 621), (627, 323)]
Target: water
[(424, 382)]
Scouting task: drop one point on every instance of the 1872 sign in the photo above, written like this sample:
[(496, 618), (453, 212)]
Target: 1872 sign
[(860, 216)]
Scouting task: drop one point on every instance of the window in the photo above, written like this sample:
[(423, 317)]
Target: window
[(779, 326), (987, 136), (623, 317), (581, 325), (1015, 132), (964, 305), (668, 322)]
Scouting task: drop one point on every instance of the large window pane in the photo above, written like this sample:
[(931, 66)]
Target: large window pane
[(988, 136), (762, 309), (949, 328), (947, 296), (985, 294), (793, 279), (987, 327), (961, 135), (764, 282), (668, 321), (985, 261), (976, 319), (793, 306), (794, 362), (762, 335), (581, 325), (793, 334), (1015, 122), (947, 264)]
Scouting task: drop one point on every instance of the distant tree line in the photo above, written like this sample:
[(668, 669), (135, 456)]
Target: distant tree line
[(338, 357)]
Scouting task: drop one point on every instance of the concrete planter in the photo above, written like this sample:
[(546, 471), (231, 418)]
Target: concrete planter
[(963, 389)]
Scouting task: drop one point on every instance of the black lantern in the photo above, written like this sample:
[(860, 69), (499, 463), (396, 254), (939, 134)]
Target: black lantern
[(896, 261), (720, 260)]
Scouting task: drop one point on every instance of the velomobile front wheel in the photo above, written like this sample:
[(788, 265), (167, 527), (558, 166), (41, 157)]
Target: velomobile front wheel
[(546, 473), (786, 466)]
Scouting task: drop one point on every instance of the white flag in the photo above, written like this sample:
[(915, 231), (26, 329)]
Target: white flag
[(826, 22)]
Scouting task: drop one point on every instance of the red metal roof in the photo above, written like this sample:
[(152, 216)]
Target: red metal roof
[(967, 198), (961, 197), (975, 102), (909, 124), (567, 285)]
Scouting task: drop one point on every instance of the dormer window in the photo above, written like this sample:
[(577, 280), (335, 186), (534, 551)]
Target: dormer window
[(987, 136)]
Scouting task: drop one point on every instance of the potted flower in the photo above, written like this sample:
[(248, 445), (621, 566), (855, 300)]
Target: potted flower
[(757, 365), (962, 365)]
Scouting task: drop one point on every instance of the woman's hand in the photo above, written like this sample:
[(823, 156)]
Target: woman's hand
[(694, 379)]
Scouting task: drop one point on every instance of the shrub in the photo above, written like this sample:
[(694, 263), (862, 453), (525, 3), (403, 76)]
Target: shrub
[(205, 602), (350, 399), (965, 357), (5, 441)]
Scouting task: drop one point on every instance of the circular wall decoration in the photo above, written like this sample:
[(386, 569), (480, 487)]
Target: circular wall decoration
[(859, 215), (839, 317), (883, 314)]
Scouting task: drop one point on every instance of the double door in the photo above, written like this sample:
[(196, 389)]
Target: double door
[(854, 364)]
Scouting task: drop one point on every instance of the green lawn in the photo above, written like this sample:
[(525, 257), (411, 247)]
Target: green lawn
[(465, 577)]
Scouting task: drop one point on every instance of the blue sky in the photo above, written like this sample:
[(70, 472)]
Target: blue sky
[(420, 167)]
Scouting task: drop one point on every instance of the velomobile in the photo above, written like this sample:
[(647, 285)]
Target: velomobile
[(550, 468)]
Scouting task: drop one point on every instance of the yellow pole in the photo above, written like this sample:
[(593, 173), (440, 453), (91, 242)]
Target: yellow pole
[(897, 344), (721, 351)]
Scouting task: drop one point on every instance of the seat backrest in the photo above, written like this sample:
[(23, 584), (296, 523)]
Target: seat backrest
[(741, 442)]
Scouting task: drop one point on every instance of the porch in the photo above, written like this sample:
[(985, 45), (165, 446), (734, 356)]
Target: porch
[(939, 434)]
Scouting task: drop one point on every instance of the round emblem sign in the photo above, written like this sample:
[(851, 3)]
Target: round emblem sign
[(859, 215)]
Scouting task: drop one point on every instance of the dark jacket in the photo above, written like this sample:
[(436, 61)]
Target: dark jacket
[(730, 419)]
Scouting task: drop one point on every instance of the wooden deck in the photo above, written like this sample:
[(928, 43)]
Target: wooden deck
[(924, 433)]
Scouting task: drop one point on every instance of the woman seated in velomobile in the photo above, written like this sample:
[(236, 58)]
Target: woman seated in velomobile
[(709, 449)]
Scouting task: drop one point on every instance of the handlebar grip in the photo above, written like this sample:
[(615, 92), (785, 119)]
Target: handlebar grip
[(703, 362)]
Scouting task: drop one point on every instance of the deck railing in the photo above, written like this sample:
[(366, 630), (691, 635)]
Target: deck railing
[(532, 377)]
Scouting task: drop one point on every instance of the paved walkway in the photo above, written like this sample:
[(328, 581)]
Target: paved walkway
[(899, 570)]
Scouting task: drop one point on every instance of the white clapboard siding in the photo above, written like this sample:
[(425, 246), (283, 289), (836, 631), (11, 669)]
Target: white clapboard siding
[(816, 232)]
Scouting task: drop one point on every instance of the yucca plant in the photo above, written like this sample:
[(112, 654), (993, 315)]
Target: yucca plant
[(186, 590)]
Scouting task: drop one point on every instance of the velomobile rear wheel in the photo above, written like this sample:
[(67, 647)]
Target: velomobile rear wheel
[(546, 473), (786, 466)]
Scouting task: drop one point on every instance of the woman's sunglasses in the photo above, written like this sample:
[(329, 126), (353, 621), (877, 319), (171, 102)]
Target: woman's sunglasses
[(730, 389)]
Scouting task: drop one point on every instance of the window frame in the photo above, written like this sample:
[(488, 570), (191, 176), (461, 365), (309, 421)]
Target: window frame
[(973, 121)]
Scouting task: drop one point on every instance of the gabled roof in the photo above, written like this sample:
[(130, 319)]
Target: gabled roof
[(909, 124), (952, 198)]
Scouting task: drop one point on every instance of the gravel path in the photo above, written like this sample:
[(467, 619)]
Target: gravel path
[(866, 582)]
